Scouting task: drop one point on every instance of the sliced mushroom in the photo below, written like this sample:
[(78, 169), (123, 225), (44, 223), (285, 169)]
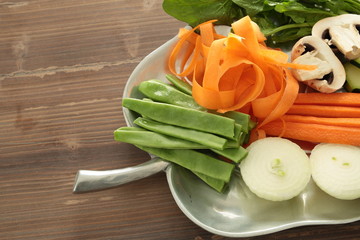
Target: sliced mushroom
[(341, 33), (329, 75)]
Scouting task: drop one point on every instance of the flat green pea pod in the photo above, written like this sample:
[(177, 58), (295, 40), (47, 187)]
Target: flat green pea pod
[(162, 92), (203, 138), (216, 184), (179, 84), (183, 117), (139, 136), (195, 161), (240, 118), (234, 154)]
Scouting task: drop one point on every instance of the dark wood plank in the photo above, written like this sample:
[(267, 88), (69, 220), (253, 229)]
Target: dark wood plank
[(63, 67)]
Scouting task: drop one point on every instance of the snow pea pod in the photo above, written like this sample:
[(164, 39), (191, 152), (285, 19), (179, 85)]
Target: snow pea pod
[(179, 84), (203, 138), (163, 92), (234, 154), (232, 144), (238, 131), (195, 161), (216, 184), (183, 117), (237, 140), (240, 118), (139, 136), (143, 137)]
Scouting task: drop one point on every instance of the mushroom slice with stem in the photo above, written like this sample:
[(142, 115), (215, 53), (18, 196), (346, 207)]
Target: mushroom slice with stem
[(341, 33), (329, 75)]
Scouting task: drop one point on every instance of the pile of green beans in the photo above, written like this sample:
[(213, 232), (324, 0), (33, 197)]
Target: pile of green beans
[(175, 128)]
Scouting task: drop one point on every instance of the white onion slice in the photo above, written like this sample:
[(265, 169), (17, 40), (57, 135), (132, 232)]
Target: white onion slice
[(275, 169), (336, 169)]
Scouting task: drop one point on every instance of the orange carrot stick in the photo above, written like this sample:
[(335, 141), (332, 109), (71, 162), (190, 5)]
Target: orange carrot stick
[(345, 122), (332, 99), (325, 111), (314, 132)]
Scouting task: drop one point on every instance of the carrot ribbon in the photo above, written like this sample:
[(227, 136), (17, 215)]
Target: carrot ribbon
[(236, 72), (231, 72)]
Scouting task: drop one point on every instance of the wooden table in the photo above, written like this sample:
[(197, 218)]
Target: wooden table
[(63, 67)]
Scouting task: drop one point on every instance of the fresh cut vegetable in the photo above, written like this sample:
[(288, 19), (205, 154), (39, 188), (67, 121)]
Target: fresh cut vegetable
[(341, 34), (242, 119), (211, 143), (236, 154), (227, 90), (318, 117), (352, 77), (324, 110), (200, 137), (179, 84), (195, 161), (336, 170), (139, 136), (329, 76), (338, 121), (236, 72), (216, 184), (280, 21), (275, 169), (162, 92), (312, 132), (330, 99), (183, 117)]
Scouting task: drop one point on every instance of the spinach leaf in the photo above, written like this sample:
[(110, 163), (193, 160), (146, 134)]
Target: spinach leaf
[(280, 20), (290, 34), (196, 12), (300, 13), (252, 7)]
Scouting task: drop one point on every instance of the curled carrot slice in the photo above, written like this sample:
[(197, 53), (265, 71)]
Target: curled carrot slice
[(236, 72), (185, 37)]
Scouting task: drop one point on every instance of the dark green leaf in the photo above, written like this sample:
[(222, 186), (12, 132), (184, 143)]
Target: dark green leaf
[(196, 12), (300, 13), (252, 7)]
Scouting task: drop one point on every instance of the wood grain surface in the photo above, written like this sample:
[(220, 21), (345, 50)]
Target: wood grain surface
[(63, 67)]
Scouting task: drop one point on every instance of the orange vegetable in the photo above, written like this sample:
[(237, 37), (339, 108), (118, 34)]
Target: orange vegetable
[(345, 122), (314, 132), (229, 81), (190, 44), (325, 111), (237, 72), (331, 99), (289, 93)]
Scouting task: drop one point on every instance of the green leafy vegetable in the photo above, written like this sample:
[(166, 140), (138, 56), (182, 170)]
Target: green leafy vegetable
[(281, 21), (196, 12)]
